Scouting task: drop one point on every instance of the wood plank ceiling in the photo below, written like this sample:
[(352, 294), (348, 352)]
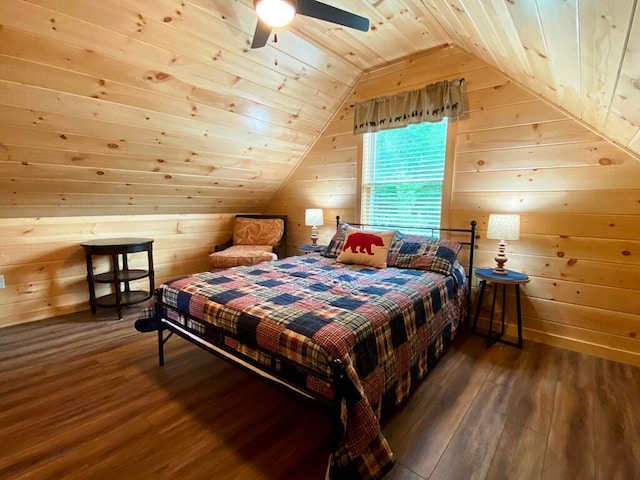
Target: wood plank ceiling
[(161, 106)]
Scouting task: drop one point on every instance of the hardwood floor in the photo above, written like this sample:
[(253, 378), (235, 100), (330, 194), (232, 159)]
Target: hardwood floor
[(83, 397)]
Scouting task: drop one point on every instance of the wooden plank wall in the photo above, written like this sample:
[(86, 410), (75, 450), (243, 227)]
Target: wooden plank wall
[(578, 197), (116, 108), (44, 267)]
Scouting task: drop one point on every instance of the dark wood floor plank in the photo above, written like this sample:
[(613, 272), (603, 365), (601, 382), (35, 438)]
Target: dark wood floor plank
[(577, 369), (519, 455), (507, 365), (468, 454), (617, 421), (83, 397), (533, 388), (571, 447), (400, 472), (419, 437), (111, 452)]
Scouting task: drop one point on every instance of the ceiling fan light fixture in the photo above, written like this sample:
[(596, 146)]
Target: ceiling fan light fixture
[(275, 13)]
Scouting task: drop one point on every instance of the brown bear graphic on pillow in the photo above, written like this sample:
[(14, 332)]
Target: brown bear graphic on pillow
[(366, 247), (364, 241)]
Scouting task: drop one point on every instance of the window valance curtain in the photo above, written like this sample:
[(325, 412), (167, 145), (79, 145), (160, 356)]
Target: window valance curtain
[(428, 104)]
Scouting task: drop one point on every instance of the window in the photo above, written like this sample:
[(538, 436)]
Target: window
[(402, 176)]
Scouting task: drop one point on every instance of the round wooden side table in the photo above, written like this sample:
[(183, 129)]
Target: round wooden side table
[(511, 278), (120, 273)]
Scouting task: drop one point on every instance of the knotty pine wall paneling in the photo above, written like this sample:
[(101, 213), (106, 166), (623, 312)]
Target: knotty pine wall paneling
[(139, 109), (44, 265), (122, 119), (578, 196), (325, 179)]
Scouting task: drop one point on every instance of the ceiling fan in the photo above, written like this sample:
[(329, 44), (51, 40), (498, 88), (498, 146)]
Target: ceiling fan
[(278, 13)]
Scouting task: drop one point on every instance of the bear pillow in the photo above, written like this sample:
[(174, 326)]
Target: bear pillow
[(366, 247)]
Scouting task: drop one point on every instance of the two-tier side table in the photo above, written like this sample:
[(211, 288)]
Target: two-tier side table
[(120, 274)]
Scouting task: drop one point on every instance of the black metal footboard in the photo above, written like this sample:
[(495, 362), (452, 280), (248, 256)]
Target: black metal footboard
[(212, 339)]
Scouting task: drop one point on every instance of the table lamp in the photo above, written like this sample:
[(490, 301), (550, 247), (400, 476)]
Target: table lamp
[(313, 217), (503, 227)]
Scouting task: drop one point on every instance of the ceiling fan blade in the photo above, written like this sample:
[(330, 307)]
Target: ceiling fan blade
[(261, 35), (314, 9)]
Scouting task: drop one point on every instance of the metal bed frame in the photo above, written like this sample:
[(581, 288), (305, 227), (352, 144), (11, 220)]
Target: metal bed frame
[(212, 339), (471, 243)]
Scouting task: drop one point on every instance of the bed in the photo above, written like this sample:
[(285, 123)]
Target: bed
[(353, 336)]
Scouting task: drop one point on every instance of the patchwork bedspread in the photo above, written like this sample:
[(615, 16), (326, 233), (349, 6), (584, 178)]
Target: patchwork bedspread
[(386, 326)]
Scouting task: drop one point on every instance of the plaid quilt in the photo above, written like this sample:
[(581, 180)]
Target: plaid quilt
[(386, 326)]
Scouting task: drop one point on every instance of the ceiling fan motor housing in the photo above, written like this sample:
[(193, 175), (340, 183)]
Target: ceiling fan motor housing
[(278, 13)]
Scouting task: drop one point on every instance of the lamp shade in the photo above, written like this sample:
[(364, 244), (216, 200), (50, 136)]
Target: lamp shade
[(275, 13), (504, 227), (313, 216)]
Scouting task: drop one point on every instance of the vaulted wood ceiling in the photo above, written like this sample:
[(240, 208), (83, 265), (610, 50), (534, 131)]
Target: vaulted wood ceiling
[(160, 106)]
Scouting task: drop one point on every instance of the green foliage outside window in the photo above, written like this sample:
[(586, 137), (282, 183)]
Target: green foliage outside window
[(403, 171)]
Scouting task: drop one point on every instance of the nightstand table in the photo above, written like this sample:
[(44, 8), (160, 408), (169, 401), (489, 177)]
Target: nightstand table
[(312, 248), (511, 278), (120, 273)]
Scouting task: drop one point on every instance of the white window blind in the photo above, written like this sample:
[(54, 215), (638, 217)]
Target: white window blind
[(402, 175)]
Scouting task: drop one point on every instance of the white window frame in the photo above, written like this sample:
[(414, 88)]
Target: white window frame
[(447, 183)]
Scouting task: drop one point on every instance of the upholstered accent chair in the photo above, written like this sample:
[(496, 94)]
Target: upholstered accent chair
[(256, 238)]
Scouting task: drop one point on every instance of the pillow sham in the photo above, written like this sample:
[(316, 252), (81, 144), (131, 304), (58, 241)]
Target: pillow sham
[(423, 253), (366, 247), (337, 241)]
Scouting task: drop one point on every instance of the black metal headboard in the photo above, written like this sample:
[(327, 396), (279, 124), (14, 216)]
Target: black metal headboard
[(471, 243)]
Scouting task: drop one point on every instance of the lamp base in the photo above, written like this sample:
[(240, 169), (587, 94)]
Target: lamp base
[(501, 259), (314, 236)]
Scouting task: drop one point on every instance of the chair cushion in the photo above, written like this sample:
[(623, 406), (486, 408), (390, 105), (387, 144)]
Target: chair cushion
[(239, 255), (257, 231)]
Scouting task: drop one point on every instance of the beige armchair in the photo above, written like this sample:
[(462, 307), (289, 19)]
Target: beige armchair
[(256, 238)]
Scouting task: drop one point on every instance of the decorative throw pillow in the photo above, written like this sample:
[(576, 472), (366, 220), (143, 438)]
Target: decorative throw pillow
[(335, 245), (366, 247), (424, 253)]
